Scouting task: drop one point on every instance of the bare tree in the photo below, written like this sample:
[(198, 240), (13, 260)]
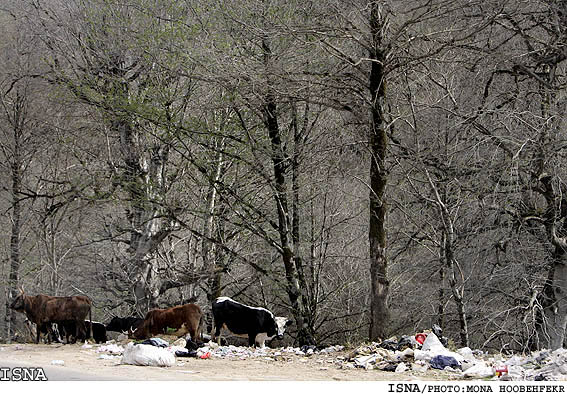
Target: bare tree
[(21, 94)]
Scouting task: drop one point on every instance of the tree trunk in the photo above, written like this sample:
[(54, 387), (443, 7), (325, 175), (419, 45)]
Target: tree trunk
[(554, 303), (208, 251), (143, 182), (447, 245), (456, 290), (280, 196), (16, 174), (14, 244), (378, 141), (307, 290)]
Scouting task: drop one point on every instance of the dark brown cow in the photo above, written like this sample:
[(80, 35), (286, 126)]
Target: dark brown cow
[(42, 309), (188, 317)]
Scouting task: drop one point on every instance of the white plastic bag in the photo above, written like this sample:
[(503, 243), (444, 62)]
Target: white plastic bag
[(432, 347), (479, 371), (147, 355), (432, 343)]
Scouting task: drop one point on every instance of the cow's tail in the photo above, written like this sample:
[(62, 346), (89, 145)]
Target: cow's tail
[(90, 329), (200, 326)]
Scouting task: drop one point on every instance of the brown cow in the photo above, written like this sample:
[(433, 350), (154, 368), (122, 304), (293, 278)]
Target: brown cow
[(42, 309), (188, 316)]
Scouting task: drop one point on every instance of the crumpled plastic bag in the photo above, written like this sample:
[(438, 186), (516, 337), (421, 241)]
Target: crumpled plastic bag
[(147, 355), (432, 347), (432, 344), (111, 348), (402, 367), (365, 361)]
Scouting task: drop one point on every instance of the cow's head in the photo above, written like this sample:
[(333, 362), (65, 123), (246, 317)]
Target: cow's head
[(19, 302), (142, 332), (281, 324)]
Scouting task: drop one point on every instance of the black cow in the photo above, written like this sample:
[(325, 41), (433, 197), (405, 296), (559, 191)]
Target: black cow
[(98, 330), (67, 328), (258, 324), (124, 324)]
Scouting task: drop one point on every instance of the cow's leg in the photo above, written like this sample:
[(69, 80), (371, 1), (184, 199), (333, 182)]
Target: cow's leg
[(49, 334), (251, 339), (77, 330), (261, 340), (217, 332), (82, 330), (193, 330), (67, 335), (38, 329)]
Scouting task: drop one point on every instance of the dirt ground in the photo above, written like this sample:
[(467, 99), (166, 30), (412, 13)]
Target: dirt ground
[(318, 367)]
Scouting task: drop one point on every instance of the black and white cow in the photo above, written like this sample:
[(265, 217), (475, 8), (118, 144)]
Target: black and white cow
[(51, 332), (258, 324)]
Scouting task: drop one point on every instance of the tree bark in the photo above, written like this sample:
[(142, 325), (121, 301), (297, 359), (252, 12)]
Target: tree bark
[(378, 142), (554, 303), (553, 322), (208, 250), (447, 245), (142, 179), (15, 260)]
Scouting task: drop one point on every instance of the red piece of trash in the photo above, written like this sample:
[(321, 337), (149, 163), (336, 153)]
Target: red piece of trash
[(501, 370), (205, 356), (420, 338)]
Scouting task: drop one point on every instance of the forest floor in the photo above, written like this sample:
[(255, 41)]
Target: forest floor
[(288, 367)]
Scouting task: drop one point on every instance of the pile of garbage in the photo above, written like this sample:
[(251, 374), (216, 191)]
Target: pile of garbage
[(151, 351), (243, 353), (426, 351), (410, 355)]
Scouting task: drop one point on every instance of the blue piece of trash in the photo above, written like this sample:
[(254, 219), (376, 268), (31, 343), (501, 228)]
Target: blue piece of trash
[(440, 362)]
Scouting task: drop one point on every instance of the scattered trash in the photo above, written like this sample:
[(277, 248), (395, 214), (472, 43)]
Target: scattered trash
[(332, 349), (420, 338), (410, 355), (122, 337), (501, 370), (112, 349), (479, 371), (155, 342), (107, 357), (420, 368), (432, 344), (203, 355), (442, 362), (185, 353), (365, 361), (148, 355), (180, 342), (439, 333), (190, 345), (402, 367)]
